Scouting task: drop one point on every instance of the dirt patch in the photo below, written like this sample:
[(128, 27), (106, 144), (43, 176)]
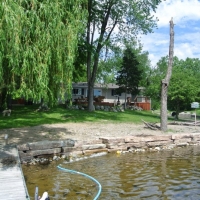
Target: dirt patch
[(85, 131)]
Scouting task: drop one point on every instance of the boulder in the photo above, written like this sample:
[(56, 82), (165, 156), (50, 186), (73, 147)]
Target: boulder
[(45, 145), (93, 146)]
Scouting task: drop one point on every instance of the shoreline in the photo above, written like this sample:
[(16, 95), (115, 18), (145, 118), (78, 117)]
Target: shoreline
[(75, 148), (85, 131)]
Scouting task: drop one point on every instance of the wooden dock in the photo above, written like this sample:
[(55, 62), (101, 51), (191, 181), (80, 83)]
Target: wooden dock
[(12, 183)]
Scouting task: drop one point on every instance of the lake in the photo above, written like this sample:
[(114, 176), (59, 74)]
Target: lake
[(166, 175)]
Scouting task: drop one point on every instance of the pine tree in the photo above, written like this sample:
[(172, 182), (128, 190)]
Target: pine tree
[(129, 76)]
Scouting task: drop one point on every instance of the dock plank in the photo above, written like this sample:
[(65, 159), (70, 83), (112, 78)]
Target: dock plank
[(12, 184)]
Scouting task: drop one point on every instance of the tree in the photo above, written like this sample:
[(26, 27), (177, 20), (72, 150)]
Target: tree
[(110, 64), (129, 76), (107, 70), (166, 80), (109, 22), (184, 83), (145, 67), (80, 70), (153, 88), (183, 90), (38, 41), (185, 87)]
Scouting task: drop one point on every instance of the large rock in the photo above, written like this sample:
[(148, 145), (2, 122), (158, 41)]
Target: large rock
[(71, 149), (68, 143), (160, 143), (147, 138), (23, 147), (181, 136), (93, 146), (88, 152), (182, 140), (73, 153), (112, 140), (31, 154), (136, 145), (195, 137), (45, 145), (121, 146)]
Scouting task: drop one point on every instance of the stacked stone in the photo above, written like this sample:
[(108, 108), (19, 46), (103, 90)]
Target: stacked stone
[(29, 151), (151, 141), (135, 143)]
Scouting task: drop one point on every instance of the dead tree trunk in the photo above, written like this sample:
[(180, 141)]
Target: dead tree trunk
[(165, 82)]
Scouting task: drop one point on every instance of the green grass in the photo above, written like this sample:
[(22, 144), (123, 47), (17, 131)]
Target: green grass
[(22, 116), (197, 111)]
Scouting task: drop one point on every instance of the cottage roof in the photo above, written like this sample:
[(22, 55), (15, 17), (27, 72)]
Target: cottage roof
[(97, 85)]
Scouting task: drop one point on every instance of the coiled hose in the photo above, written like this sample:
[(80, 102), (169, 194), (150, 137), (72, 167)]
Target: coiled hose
[(90, 177)]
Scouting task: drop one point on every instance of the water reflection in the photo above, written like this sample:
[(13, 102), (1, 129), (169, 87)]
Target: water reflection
[(169, 175)]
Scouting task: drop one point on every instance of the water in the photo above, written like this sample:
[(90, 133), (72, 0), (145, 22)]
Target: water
[(169, 175)]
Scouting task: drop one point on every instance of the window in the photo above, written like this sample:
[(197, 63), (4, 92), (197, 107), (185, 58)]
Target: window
[(97, 92), (82, 91), (76, 91), (114, 93)]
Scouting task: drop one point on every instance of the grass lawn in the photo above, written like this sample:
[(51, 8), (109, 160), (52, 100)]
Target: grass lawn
[(27, 116)]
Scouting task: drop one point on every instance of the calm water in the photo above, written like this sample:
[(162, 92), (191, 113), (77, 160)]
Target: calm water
[(157, 175)]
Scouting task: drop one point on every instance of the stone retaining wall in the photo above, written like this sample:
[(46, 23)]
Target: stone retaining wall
[(66, 147)]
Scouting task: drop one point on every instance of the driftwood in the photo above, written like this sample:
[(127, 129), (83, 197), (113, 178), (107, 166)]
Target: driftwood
[(152, 126), (185, 123)]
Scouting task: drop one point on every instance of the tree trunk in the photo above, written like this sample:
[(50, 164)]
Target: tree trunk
[(91, 82), (9, 101), (93, 57), (90, 96), (177, 111), (3, 100), (164, 106), (165, 82), (125, 104)]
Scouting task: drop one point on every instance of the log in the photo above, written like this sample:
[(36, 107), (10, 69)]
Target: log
[(152, 126), (185, 123)]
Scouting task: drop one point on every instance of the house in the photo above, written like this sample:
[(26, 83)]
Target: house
[(107, 94)]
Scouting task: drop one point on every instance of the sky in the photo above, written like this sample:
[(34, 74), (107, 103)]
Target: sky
[(186, 17)]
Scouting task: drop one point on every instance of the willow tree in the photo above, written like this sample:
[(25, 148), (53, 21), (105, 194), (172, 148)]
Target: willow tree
[(38, 41)]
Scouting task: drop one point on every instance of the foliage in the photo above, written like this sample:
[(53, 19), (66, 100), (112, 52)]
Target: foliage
[(184, 89), (129, 76), (145, 67), (80, 69), (184, 84), (107, 69), (111, 63), (110, 22), (38, 41)]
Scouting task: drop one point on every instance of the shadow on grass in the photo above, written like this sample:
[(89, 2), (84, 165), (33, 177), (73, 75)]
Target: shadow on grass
[(98, 116), (28, 116)]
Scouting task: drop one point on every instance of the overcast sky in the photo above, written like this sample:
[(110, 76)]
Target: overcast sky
[(186, 17)]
